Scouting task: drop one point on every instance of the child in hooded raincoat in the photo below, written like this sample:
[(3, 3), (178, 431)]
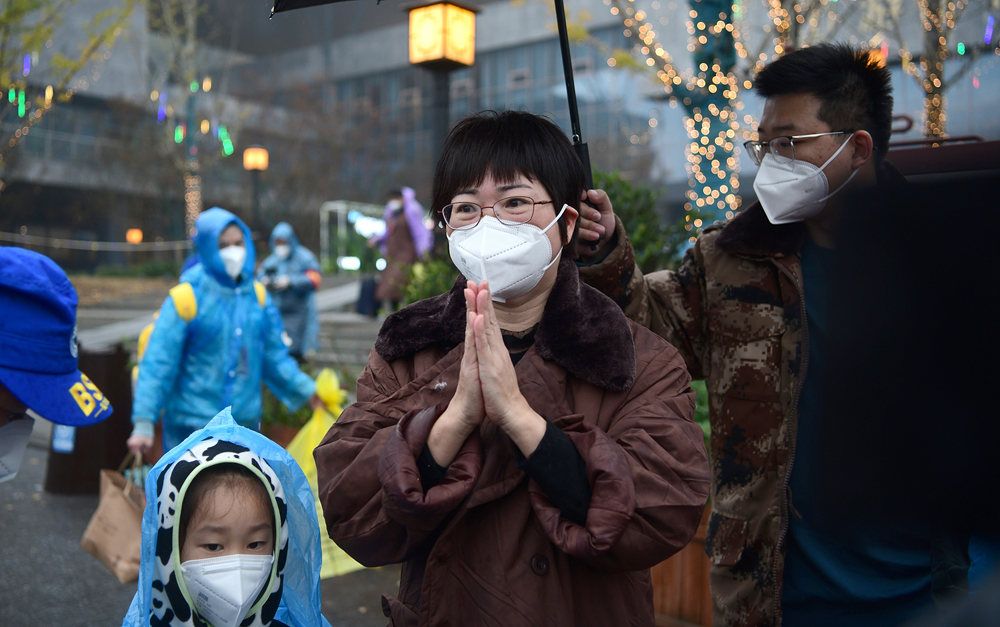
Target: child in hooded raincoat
[(291, 274), (276, 586), (218, 336)]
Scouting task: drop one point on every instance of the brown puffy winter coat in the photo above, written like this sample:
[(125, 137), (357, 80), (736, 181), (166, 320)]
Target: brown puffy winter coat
[(485, 546)]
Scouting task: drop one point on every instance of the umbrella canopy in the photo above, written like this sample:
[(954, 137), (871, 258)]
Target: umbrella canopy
[(288, 5), (567, 62)]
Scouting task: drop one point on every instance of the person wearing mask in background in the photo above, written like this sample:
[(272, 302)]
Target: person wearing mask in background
[(218, 335), (748, 309), (292, 276), (38, 355), (406, 240)]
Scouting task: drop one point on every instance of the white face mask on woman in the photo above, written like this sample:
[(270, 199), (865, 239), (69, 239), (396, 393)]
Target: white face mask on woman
[(512, 258), (224, 589), (232, 259), (794, 191)]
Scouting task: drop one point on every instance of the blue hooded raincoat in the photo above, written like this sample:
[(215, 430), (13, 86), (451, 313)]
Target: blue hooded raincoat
[(192, 369), (297, 302), (292, 594)]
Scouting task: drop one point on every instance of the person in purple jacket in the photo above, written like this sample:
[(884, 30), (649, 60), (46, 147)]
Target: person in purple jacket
[(406, 240)]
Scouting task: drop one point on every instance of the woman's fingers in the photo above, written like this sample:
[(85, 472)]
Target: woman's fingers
[(494, 335), (470, 298)]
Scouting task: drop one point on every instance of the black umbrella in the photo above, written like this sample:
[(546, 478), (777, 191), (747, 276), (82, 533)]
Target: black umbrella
[(567, 61)]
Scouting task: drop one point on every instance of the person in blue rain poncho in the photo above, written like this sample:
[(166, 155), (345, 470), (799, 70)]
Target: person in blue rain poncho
[(292, 276), (272, 581), (217, 337)]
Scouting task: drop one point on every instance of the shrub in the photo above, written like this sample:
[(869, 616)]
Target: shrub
[(430, 277), (701, 409), (657, 243)]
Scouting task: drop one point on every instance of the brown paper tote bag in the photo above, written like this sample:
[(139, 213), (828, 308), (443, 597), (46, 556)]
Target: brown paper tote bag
[(114, 534)]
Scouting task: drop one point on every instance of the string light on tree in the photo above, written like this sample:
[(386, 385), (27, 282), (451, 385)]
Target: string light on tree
[(192, 199), (709, 98), (938, 19)]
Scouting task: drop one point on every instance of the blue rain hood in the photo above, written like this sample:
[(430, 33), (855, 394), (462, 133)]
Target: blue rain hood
[(208, 229), (297, 303), (292, 595), (284, 230)]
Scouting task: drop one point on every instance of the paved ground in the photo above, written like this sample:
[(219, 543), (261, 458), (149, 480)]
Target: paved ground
[(47, 579)]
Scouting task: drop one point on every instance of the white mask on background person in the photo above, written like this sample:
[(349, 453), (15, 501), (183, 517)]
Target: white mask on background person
[(512, 258), (224, 589), (283, 251), (14, 438), (233, 258), (395, 205), (795, 191)]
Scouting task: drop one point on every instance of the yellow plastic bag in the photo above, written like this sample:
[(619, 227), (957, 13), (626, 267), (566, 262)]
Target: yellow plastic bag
[(335, 560)]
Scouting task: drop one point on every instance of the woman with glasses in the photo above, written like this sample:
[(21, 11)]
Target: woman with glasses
[(522, 448)]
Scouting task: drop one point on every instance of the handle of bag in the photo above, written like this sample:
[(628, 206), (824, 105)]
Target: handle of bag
[(133, 461)]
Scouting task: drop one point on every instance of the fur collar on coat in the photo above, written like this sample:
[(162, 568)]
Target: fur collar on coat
[(581, 329)]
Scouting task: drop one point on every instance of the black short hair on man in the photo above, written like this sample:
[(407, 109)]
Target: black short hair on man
[(854, 88), (507, 144)]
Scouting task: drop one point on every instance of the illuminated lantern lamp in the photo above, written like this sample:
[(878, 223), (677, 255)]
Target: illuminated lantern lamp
[(442, 34), (133, 236), (256, 159)]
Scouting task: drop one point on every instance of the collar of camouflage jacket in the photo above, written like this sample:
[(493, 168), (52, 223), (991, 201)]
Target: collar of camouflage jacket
[(581, 329), (751, 234)]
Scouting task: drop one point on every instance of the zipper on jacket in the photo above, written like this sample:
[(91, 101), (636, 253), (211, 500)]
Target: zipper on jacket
[(783, 531)]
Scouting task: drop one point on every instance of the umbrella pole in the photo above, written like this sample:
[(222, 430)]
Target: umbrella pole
[(574, 114)]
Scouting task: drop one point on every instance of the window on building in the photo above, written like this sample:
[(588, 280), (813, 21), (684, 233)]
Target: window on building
[(519, 78), (584, 65), (462, 87), (409, 97)]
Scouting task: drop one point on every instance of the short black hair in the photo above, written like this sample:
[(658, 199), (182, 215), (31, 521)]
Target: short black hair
[(852, 85), (507, 144)]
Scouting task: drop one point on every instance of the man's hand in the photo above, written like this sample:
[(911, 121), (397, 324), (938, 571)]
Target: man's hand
[(596, 224)]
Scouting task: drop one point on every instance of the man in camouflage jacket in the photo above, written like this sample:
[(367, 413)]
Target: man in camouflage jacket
[(736, 310)]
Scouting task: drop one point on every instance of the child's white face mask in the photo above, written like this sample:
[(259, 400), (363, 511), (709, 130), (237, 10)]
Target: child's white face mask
[(233, 258), (224, 589)]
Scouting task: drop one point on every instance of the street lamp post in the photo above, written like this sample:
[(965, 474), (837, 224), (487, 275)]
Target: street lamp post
[(442, 38), (256, 160)]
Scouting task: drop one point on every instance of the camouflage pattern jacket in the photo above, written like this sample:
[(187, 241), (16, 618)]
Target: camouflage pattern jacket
[(735, 310)]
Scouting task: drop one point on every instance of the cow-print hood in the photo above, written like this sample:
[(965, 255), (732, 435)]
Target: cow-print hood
[(291, 595)]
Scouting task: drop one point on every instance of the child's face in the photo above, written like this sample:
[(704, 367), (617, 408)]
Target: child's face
[(229, 522)]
